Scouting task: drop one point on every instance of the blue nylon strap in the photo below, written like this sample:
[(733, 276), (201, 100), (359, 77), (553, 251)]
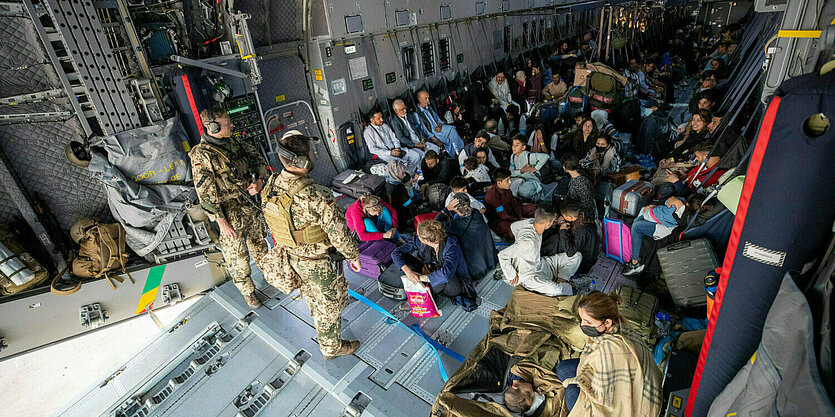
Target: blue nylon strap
[(415, 328), (435, 345)]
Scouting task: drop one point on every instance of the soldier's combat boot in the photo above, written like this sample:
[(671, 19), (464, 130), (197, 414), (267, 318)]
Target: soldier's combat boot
[(252, 300), (348, 347)]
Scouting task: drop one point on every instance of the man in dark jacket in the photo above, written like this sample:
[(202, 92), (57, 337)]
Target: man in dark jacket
[(652, 128), (459, 221), (408, 131), (435, 169), (503, 208), (572, 234)]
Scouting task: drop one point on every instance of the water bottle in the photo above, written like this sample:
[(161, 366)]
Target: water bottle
[(592, 286), (662, 321)]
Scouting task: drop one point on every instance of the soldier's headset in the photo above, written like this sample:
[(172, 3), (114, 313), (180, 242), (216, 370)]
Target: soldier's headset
[(210, 122), (296, 160)]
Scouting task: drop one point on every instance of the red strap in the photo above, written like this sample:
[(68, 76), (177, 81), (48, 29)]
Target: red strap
[(191, 104), (651, 214), (736, 232)]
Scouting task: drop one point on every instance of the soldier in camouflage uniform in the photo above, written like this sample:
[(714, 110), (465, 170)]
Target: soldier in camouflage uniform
[(313, 227), (226, 173)]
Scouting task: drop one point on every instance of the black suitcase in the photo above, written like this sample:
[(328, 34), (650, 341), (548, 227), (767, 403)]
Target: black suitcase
[(685, 265), (391, 285), (357, 183)]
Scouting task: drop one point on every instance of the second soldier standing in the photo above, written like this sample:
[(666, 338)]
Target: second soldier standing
[(227, 172), (306, 223)]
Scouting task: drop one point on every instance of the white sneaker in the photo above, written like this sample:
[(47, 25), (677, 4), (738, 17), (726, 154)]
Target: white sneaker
[(632, 269)]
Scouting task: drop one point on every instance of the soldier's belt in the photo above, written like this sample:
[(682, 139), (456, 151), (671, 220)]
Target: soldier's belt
[(308, 258)]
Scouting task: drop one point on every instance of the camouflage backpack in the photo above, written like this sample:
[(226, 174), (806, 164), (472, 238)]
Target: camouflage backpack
[(101, 250)]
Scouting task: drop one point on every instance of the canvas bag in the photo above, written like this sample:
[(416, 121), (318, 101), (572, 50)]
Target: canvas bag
[(101, 250), (18, 269)]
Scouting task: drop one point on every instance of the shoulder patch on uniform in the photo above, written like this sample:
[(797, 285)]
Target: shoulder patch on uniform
[(196, 164)]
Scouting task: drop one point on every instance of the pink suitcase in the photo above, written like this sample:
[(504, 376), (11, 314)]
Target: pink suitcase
[(617, 240), (375, 257)]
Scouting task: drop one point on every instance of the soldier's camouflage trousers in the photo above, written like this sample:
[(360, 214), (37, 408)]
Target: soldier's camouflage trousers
[(236, 252), (326, 293)]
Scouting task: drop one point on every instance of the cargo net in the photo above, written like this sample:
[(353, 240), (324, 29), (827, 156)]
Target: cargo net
[(267, 23), (35, 150)]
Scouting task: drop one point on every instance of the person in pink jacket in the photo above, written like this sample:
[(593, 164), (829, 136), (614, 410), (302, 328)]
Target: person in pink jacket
[(372, 219)]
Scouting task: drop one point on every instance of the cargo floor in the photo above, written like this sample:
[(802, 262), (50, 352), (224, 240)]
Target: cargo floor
[(223, 360)]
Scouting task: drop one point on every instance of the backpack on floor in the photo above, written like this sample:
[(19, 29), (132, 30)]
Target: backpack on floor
[(639, 309), (18, 269), (101, 250)]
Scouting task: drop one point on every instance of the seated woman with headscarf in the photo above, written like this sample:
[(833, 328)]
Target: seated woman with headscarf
[(604, 126), (459, 221), (519, 91), (436, 258), (403, 192), (616, 374), (372, 219)]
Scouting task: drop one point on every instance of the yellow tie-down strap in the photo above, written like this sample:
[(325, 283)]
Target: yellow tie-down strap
[(811, 34)]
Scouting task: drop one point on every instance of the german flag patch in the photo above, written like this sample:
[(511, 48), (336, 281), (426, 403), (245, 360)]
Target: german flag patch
[(196, 164)]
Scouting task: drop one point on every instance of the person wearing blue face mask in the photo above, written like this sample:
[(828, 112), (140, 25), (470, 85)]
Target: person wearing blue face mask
[(616, 374)]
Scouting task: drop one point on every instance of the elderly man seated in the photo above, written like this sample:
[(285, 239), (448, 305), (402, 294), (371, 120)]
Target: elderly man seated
[(522, 264), (408, 131), (382, 142), (433, 127)]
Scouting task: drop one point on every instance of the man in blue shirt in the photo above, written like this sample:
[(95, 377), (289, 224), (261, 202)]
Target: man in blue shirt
[(433, 127)]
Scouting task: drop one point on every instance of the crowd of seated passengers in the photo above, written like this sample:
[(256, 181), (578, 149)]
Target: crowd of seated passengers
[(503, 162), (484, 146), (585, 154)]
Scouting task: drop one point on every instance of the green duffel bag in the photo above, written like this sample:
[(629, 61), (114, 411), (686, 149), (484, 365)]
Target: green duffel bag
[(639, 309)]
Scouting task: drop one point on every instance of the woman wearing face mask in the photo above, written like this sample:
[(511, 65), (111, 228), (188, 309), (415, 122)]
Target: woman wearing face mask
[(616, 374), (603, 159)]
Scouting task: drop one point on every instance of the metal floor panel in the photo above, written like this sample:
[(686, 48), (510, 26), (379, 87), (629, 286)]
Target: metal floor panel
[(43, 317), (394, 368)]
